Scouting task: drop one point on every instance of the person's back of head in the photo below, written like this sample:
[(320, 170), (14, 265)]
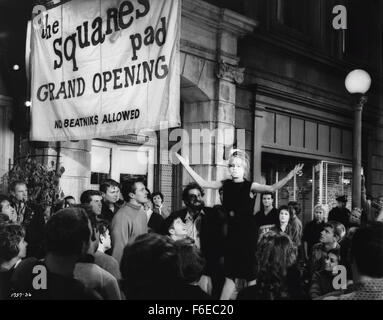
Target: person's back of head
[(11, 235), (67, 232), (69, 201), (191, 262), (94, 235), (276, 254), (149, 267), (367, 250), (4, 218), (89, 212), (60, 204), (66, 238)]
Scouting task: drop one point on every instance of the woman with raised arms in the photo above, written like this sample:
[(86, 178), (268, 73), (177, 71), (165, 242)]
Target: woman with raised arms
[(238, 202)]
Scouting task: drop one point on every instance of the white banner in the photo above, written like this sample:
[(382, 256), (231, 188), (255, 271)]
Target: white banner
[(105, 68)]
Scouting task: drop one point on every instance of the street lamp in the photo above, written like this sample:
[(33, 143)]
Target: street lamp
[(357, 83)]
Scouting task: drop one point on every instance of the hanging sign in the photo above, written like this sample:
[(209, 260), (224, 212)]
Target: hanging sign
[(105, 68)]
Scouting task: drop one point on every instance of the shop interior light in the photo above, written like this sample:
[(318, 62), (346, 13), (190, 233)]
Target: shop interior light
[(28, 103), (16, 67)]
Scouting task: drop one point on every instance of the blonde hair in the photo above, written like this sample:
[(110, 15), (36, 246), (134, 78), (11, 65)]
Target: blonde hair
[(324, 208), (237, 153)]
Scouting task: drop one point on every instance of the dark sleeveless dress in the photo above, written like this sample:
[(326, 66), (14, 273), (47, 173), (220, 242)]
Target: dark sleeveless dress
[(241, 233)]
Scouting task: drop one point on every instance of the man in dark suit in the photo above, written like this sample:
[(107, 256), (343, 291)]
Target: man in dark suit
[(340, 213), (110, 191), (206, 226), (155, 220)]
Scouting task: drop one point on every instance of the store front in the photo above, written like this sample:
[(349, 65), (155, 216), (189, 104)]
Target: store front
[(289, 133), (320, 182)]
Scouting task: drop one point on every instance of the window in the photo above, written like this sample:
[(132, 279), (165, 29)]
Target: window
[(337, 180), (320, 182), (292, 13), (293, 20), (121, 162), (100, 164)]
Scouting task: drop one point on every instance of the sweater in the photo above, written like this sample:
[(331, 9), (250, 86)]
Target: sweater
[(129, 222), (108, 263), (95, 278)]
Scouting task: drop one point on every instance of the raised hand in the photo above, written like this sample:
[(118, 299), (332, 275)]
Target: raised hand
[(297, 170), (355, 216), (184, 161)]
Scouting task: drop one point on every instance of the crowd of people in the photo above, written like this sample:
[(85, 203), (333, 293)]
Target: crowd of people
[(121, 242)]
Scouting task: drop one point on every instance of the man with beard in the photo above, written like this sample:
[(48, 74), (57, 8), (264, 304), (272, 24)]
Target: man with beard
[(206, 226)]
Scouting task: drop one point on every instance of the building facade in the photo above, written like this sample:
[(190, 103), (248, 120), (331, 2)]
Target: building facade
[(295, 64), (263, 75)]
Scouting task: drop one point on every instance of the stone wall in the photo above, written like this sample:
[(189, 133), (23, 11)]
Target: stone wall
[(210, 72)]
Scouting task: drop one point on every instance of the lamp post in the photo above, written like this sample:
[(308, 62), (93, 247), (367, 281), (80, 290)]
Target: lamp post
[(357, 83)]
